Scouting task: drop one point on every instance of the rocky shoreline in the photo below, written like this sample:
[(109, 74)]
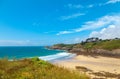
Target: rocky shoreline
[(92, 52)]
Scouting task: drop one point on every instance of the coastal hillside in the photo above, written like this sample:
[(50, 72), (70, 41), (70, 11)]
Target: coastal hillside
[(35, 69), (93, 46)]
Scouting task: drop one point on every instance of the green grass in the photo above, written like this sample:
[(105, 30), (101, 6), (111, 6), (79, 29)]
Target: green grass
[(108, 45), (35, 69), (104, 44)]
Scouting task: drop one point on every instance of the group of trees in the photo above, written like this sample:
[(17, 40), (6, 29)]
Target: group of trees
[(95, 39), (90, 44)]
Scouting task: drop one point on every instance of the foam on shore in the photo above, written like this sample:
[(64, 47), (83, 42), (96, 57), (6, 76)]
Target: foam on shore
[(58, 56)]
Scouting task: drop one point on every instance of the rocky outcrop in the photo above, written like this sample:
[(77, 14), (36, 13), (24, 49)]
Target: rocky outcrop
[(92, 52), (77, 50), (60, 48), (96, 52)]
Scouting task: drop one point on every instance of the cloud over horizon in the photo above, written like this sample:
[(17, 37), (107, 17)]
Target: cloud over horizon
[(45, 22), (111, 32), (102, 22)]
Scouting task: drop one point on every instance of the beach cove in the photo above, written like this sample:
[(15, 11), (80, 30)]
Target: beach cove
[(69, 61)]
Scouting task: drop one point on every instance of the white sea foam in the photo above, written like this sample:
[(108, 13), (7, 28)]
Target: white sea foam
[(58, 56)]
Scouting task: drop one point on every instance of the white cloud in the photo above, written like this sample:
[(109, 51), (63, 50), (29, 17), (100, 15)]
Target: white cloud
[(110, 32), (72, 16), (90, 6), (63, 32), (109, 2), (99, 23), (112, 1), (77, 6)]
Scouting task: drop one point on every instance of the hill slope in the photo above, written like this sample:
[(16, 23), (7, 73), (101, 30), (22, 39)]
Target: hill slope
[(100, 47), (34, 69)]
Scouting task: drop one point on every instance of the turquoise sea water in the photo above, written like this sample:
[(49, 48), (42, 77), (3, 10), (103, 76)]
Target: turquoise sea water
[(20, 52)]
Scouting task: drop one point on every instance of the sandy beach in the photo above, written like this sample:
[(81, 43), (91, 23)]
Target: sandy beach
[(96, 64)]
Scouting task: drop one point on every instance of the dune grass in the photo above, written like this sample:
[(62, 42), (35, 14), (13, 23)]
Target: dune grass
[(35, 69)]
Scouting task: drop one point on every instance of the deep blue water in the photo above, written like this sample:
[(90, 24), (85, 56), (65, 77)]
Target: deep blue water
[(31, 51)]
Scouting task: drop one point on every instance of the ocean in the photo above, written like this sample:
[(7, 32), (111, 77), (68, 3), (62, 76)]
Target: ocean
[(20, 52)]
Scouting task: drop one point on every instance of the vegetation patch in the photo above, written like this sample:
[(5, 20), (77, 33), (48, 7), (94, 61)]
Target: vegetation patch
[(35, 69)]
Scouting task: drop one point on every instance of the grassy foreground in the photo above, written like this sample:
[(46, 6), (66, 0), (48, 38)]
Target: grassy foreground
[(35, 69)]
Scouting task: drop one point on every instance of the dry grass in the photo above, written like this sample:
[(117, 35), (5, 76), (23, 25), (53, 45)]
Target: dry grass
[(35, 69)]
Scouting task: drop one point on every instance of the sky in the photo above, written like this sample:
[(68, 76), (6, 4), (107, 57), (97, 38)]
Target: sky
[(47, 22)]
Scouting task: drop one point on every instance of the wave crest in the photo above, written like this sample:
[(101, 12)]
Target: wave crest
[(58, 56)]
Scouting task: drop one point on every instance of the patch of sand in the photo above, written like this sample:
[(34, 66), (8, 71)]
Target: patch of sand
[(96, 64)]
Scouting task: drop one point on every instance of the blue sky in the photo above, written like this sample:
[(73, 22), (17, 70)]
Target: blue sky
[(46, 22)]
